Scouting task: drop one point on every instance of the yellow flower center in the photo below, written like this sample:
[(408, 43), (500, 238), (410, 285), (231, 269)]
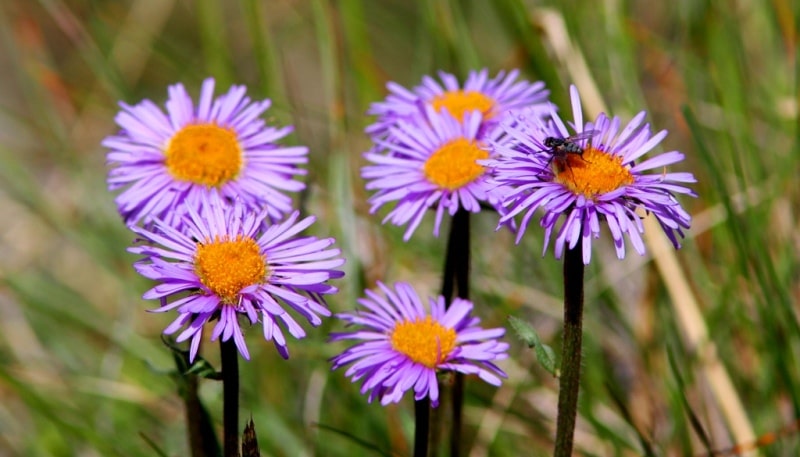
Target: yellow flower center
[(597, 172), (227, 266), (424, 341), (453, 165), (459, 102), (204, 154)]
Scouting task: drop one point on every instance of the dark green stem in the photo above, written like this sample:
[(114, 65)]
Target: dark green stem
[(202, 437), (230, 397), (458, 415), (456, 261), (422, 423), (455, 281), (571, 351)]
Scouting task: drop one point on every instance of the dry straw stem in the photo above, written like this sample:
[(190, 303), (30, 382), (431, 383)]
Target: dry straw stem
[(689, 318), (133, 44)]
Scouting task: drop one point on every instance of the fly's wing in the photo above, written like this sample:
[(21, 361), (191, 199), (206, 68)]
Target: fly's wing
[(555, 143), (585, 135)]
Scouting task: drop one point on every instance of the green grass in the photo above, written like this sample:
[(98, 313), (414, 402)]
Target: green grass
[(82, 367)]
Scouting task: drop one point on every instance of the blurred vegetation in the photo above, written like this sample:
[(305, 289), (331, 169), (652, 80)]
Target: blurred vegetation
[(83, 370)]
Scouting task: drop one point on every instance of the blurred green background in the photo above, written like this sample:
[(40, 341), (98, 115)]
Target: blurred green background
[(685, 352)]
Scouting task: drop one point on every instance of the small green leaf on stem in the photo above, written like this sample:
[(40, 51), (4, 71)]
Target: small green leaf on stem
[(544, 353)]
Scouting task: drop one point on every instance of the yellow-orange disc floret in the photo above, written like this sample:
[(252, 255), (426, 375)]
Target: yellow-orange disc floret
[(424, 341), (227, 266), (205, 154), (459, 102), (454, 165), (594, 173)]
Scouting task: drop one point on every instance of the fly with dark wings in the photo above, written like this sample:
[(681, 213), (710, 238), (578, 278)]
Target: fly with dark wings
[(560, 148)]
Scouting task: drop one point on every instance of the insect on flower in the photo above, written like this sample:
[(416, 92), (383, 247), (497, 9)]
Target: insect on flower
[(609, 183), (560, 148)]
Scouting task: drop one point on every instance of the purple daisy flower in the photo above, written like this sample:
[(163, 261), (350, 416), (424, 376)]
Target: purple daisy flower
[(430, 163), (493, 98), (225, 262), (163, 159), (403, 346), (587, 176)]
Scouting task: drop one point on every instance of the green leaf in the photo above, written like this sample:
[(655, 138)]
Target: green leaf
[(544, 353), (524, 331), (202, 368), (152, 444), (356, 440)]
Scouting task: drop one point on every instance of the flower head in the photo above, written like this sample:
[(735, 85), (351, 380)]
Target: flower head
[(492, 98), (430, 163), (591, 175), (224, 262), (221, 144), (402, 345)]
